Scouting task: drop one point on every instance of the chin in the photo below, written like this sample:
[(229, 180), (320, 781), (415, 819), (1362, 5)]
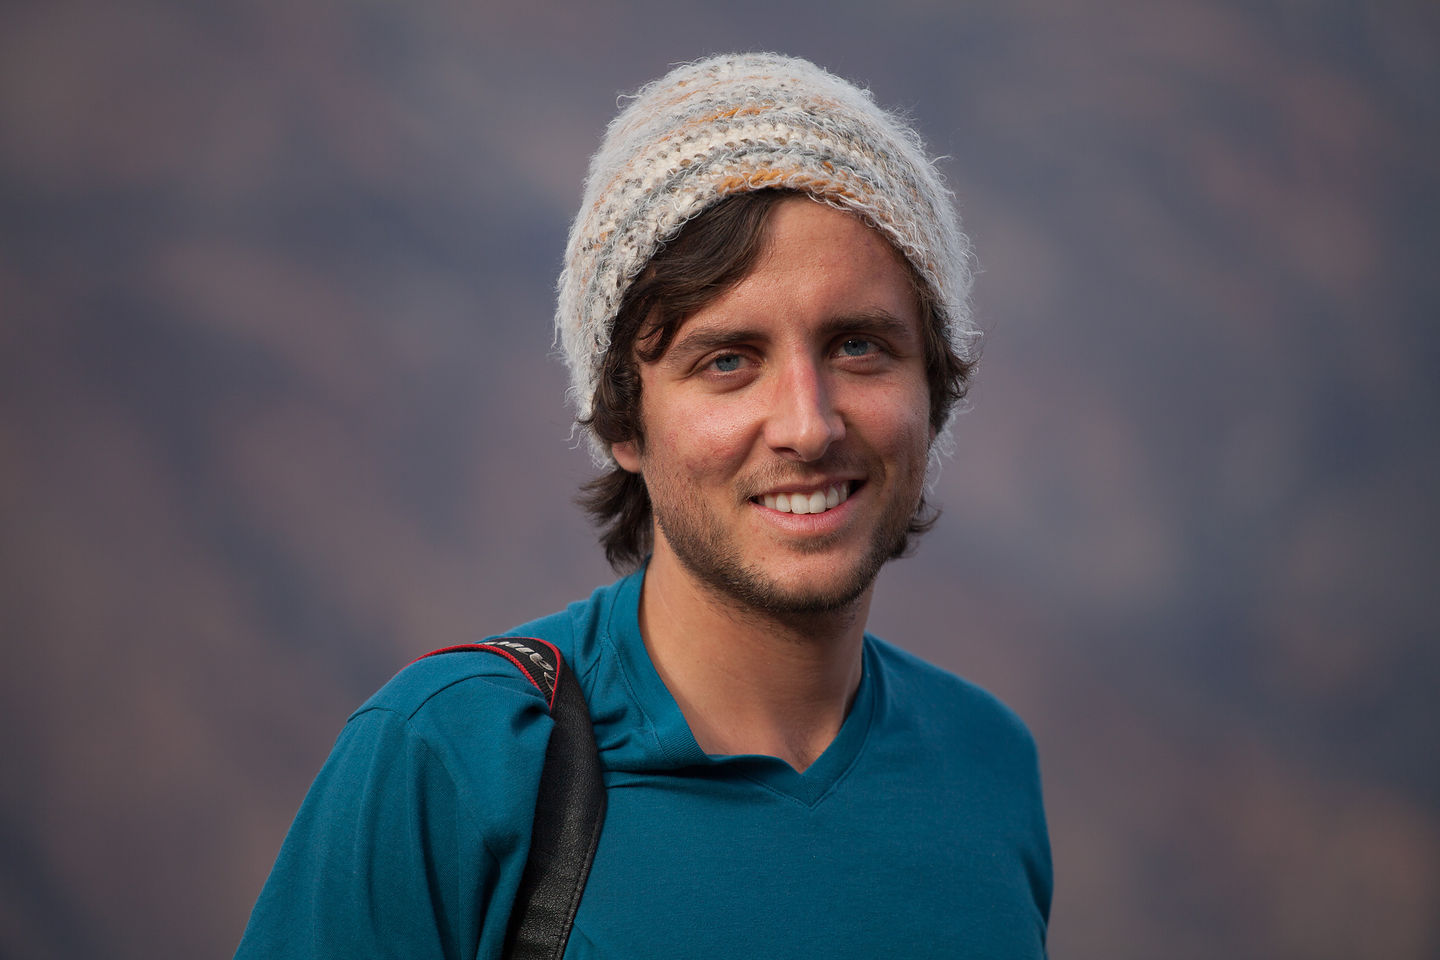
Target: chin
[(797, 594)]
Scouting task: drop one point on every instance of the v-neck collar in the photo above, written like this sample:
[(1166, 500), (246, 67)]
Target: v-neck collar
[(674, 741)]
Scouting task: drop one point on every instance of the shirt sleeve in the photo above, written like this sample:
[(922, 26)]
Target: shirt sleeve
[(411, 841)]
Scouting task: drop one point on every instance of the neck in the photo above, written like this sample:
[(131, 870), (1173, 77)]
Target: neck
[(751, 681)]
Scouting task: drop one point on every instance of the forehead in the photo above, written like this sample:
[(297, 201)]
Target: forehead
[(817, 263)]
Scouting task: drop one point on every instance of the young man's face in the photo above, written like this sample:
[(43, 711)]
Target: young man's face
[(787, 426)]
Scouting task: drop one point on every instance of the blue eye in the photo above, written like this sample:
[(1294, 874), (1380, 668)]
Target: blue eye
[(727, 363), (856, 347)]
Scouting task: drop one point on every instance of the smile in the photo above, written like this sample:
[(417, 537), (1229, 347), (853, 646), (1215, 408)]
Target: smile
[(817, 501)]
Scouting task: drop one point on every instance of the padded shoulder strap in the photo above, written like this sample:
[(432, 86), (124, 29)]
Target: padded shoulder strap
[(537, 659), (569, 810)]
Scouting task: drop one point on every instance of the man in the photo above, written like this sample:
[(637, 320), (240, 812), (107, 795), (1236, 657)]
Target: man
[(764, 311)]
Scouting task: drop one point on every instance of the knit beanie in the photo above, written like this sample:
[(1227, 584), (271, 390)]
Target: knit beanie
[(733, 124)]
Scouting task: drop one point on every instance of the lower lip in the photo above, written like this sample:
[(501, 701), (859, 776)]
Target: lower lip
[(810, 523)]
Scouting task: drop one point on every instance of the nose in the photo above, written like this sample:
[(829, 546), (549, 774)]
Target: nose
[(802, 421)]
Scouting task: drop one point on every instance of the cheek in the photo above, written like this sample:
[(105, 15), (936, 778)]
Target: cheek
[(699, 438), (896, 420)]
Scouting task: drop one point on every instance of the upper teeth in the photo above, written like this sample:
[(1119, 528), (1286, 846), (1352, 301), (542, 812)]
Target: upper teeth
[(817, 502)]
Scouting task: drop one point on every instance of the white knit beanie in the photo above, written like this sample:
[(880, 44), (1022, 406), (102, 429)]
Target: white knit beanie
[(733, 124)]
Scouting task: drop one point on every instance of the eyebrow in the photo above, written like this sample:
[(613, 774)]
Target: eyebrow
[(870, 321)]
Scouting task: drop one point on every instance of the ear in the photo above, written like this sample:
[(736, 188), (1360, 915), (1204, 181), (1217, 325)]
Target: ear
[(627, 454)]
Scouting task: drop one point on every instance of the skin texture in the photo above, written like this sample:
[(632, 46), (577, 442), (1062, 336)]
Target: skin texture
[(807, 373)]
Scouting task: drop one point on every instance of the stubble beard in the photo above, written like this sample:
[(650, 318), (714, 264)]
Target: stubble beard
[(703, 546)]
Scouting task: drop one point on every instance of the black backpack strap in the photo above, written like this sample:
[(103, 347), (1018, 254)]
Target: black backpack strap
[(569, 810)]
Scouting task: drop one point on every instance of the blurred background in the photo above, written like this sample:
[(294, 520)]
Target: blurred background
[(278, 412)]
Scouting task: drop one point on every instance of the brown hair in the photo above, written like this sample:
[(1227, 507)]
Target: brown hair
[(711, 254)]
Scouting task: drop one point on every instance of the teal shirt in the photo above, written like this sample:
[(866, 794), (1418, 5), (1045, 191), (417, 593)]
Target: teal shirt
[(918, 833)]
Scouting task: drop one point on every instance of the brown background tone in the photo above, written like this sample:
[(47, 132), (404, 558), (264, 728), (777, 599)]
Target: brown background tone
[(276, 414)]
